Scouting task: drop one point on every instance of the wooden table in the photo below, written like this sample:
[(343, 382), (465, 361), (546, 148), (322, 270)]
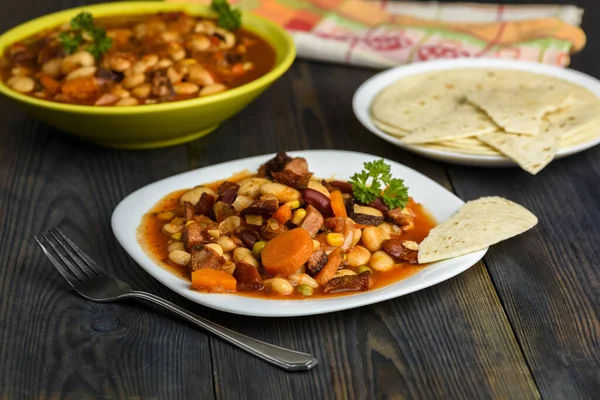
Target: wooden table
[(524, 323)]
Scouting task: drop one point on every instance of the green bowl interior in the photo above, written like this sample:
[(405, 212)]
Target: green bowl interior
[(273, 33)]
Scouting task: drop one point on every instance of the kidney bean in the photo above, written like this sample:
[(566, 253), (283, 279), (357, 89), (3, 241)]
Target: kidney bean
[(344, 187), (379, 204), (318, 200)]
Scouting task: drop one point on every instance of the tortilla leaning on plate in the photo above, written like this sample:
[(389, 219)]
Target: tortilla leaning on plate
[(477, 224)]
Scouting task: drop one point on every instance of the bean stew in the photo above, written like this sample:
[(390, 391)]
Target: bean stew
[(283, 233), (135, 60)]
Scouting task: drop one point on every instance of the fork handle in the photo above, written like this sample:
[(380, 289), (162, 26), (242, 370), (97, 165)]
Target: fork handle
[(289, 360)]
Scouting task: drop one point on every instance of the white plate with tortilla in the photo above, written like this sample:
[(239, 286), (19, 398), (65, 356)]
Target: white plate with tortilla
[(404, 111), (441, 204)]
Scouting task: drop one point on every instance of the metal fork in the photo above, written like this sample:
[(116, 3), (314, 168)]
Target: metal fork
[(93, 283)]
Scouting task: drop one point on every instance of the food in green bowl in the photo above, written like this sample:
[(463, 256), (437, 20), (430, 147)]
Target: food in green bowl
[(141, 74)]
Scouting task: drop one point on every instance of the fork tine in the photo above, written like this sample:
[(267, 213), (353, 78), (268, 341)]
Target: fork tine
[(90, 265), (66, 273), (60, 252)]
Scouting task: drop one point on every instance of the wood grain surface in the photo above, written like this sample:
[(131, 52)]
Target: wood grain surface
[(522, 325)]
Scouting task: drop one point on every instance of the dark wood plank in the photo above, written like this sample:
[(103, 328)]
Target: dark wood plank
[(449, 341), (54, 344)]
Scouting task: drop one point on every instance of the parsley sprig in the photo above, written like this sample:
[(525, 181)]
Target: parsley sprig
[(83, 30), (376, 181), (229, 18)]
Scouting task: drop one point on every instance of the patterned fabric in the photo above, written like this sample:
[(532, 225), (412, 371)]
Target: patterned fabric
[(383, 34)]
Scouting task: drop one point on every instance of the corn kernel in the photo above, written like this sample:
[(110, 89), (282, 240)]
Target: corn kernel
[(257, 248), (189, 223), (176, 236), (254, 219), (335, 239), (189, 61), (298, 217), (293, 204)]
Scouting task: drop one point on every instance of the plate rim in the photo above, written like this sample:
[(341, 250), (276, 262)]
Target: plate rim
[(134, 249), (363, 114)]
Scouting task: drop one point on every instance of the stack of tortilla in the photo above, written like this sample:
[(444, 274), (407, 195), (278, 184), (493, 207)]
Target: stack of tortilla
[(524, 116)]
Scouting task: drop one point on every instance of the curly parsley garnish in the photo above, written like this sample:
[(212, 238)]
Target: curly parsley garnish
[(84, 31), (375, 181), (229, 18)]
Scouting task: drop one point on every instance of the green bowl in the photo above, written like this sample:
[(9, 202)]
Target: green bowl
[(156, 125)]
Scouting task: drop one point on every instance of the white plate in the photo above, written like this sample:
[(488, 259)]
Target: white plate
[(369, 89), (337, 164)]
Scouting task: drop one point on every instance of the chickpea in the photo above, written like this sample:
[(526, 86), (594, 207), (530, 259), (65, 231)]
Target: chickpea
[(193, 196), (175, 246), (381, 261), (142, 91), (81, 72), (186, 88), (22, 84), (131, 81), (373, 237), (391, 229), (283, 193), (215, 247), (127, 101), (77, 60), (52, 67), (212, 89), (180, 257), (357, 256), (226, 243), (200, 75), (302, 279), (278, 285)]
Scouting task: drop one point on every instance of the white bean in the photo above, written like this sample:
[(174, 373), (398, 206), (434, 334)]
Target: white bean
[(131, 81), (22, 84), (193, 196), (77, 60), (215, 247), (52, 67), (186, 88), (127, 101), (367, 210), (344, 272), (314, 185), (241, 202), (81, 72), (302, 279), (200, 75), (212, 89), (142, 91), (229, 225), (278, 285), (283, 193), (226, 243), (251, 187), (175, 246)]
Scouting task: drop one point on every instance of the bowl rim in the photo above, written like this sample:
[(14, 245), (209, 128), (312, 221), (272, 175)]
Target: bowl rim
[(142, 7)]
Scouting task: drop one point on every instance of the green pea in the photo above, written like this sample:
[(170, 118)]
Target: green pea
[(257, 248), (364, 269), (304, 290)]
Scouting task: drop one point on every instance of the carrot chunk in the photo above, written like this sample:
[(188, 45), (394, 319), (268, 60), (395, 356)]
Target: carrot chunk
[(287, 252), (84, 87), (337, 204), (328, 271), (213, 280), (283, 214)]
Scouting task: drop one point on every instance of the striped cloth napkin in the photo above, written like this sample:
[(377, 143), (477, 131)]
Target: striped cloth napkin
[(383, 34)]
